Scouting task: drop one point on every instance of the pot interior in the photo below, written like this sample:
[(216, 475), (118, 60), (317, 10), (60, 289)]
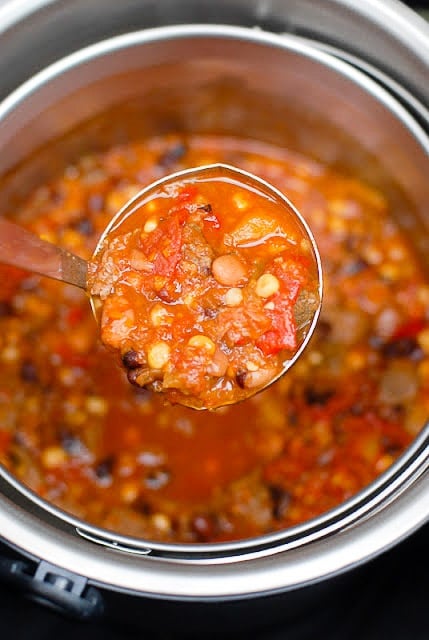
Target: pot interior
[(275, 91), (291, 96)]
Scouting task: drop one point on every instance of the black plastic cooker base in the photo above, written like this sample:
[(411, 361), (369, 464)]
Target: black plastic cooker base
[(390, 605)]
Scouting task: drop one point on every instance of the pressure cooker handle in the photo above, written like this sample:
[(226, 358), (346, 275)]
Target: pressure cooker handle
[(56, 588)]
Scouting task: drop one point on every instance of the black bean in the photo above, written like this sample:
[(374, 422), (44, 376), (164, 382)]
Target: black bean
[(5, 309), (143, 507), (375, 342), (157, 478), (132, 375), (141, 394), (95, 202), (351, 243), (325, 458), (209, 312), (28, 372), (323, 328), (204, 526), (166, 295), (71, 443), (207, 208), (357, 409), (390, 446), (407, 347), (172, 155), (354, 267), (292, 417), (132, 359), (317, 396), (240, 378), (103, 469), (393, 412), (141, 377), (29, 284), (57, 197), (281, 499), (84, 226)]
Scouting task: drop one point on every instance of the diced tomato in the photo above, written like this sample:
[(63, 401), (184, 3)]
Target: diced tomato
[(10, 278), (283, 332), (163, 246), (70, 358), (5, 439), (410, 329), (292, 273), (187, 194), (74, 316)]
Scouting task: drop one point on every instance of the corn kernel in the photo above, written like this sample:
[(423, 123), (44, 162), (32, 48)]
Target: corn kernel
[(150, 225), (315, 358), (71, 238), (161, 522), (391, 271), (372, 255), (158, 355), (129, 492), (76, 418), (159, 282), (151, 206), (53, 457), (356, 360), (10, 354), (423, 294), (159, 315), (267, 285), (233, 297), (337, 225), (49, 236), (96, 405), (188, 300), (239, 201), (423, 340), (305, 245), (423, 371), (251, 366), (202, 342)]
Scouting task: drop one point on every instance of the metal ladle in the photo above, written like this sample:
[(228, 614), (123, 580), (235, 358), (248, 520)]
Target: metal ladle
[(25, 250)]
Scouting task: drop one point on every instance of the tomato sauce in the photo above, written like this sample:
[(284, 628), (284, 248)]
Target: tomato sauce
[(76, 432)]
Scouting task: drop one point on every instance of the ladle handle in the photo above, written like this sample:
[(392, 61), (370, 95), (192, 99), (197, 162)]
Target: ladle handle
[(23, 249)]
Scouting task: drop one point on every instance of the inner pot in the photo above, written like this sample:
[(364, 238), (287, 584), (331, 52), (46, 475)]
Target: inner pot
[(276, 90)]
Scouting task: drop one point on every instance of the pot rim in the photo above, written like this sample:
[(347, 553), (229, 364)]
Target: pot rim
[(405, 476)]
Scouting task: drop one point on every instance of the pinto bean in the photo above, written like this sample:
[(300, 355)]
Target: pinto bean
[(229, 270), (259, 378)]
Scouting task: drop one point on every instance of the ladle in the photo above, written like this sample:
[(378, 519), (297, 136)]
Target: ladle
[(23, 249)]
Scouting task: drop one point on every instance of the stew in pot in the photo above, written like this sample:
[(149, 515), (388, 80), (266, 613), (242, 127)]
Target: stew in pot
[(77, 433)]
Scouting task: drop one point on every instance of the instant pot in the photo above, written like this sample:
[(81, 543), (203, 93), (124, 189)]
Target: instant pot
[(345, 81)]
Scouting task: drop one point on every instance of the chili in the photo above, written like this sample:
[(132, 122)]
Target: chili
[(76, 432)]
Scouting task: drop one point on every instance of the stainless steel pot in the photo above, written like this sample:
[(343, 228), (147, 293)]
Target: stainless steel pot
[(363, 106)]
